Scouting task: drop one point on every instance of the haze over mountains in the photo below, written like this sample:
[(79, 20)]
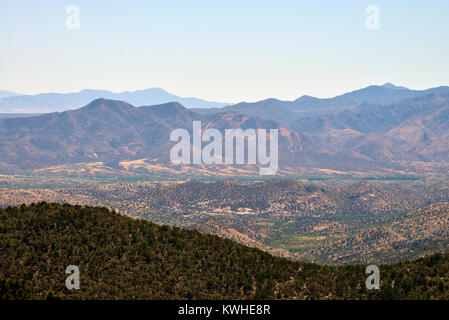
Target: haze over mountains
[(378, 130), (289, 111), (51, 102), (382, 133), (271, 108), (6, 94)]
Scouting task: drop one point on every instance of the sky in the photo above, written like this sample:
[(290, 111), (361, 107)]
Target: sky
[(227, 51)]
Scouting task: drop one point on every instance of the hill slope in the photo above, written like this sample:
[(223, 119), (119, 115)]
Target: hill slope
[(124, 258), (113, 131)]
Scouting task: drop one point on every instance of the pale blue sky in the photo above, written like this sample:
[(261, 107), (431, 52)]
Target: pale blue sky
[(223, 50)]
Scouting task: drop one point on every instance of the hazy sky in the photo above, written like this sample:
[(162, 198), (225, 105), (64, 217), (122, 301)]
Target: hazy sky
[(223, 50)]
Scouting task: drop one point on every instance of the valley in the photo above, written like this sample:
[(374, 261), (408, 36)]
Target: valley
[(328, 222)]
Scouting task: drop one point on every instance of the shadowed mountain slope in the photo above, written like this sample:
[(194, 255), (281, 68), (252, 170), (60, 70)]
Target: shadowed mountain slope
[(111, 131)]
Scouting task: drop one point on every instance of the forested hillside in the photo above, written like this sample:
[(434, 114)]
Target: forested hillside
[(124, 258)]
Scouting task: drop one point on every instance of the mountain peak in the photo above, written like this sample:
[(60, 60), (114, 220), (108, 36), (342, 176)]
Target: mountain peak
[(169, 105), (389, 85), (306, 98), (106, 104)]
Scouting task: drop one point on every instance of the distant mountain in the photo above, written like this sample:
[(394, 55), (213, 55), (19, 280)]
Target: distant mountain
[(17, 115), (286, 112), (50, 102), (6, 94), (415, 129)]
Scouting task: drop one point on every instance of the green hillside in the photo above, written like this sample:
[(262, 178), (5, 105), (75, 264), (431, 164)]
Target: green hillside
[(123, 258)]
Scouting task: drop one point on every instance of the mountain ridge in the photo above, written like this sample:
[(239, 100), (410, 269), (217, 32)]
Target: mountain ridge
[(108, 130), (406, 137), (51, 102), (287, 111)]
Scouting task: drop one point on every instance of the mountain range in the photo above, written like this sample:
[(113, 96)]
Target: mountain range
[(380, 130), (51, 102), (288, 111), (112, 131)]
